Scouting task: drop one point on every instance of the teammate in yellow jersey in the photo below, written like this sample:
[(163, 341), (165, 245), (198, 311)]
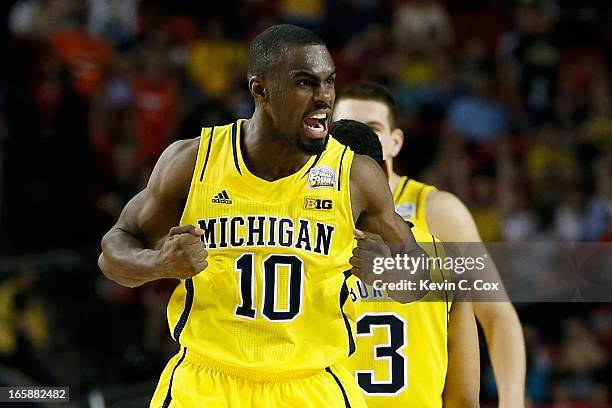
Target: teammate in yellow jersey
[(446, 217), (423, 354), (257, 218)]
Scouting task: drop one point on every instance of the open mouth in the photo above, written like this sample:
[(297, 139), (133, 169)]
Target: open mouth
[(315, 125)]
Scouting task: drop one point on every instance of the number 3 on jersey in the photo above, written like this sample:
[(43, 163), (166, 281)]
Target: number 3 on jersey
[(246, 269), (395, 328)]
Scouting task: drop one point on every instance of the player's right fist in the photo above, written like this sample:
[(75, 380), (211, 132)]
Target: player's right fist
[(182, 254)]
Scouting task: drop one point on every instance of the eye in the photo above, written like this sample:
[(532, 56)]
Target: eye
[(304, 82), (331, 81)]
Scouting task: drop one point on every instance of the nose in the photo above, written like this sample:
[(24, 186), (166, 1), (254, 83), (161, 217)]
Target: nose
[(323, 95)]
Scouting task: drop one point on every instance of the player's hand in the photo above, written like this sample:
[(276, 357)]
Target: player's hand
[(182, 254), (369, 246)]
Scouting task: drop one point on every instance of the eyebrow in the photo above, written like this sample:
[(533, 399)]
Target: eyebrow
[(375, 123), (303, 72)]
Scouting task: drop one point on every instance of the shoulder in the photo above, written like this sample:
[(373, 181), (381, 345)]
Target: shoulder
[(449, 219), (364, 171), (174, 169), (440, 201)]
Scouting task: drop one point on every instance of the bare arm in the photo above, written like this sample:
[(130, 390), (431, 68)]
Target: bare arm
[(375, 215), (450, 221), (139, 248), (462, 386)]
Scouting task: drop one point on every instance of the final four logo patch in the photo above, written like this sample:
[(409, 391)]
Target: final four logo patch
[(406, 210), (321, 177)]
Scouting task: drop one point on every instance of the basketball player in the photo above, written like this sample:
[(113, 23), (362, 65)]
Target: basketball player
[(443, 215), (434, 359), (257, 218)]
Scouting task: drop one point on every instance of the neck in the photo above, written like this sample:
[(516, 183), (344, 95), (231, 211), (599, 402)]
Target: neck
[(267, 153), (394, 178)]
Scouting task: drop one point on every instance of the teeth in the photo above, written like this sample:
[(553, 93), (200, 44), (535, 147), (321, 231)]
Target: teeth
[(319, 116), (317, 128)]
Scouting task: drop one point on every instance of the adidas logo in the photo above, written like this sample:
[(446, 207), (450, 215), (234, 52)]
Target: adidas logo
[(222, 198)]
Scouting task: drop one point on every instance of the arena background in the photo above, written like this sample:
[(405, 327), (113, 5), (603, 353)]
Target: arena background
[(92, 91)]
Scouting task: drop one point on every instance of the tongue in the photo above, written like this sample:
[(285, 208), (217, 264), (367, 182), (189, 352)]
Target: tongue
[(311, 122)]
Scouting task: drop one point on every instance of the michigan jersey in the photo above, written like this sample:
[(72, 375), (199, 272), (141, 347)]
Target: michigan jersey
[(401, 356), (410, 198), (273, 299)]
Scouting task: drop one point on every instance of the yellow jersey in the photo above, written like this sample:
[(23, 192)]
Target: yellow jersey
[(401, 356), (410, 198), (273, 300)]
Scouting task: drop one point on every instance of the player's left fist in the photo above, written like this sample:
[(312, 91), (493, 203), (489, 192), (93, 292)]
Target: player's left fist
[(369, 247)]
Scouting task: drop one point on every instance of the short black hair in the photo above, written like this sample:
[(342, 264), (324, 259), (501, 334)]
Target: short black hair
[(269, 45), (359, 137), (374, 92)]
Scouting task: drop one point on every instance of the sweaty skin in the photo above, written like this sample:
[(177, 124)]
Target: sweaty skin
[(449, 220), (145, 244)]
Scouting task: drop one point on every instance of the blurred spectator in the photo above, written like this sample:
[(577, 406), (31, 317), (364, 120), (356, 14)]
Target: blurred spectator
[(421, 25), (483, 206), (421, 80), (538, 361), (601, 320), (86, 56), (549, 155), (598, 125), (580, 358), (531, 48), (598, 225), (214, 61), (477, 116), (580, 351), (519, 222), (114, 20), (569, 215), (24, 17), (109, 106), (154, 113), (372, 45), (40, 18), (23, 324), (305, 13)]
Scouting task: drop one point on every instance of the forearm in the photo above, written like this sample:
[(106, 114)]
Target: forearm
[(504, 336), (414, 276), (126, 260), (462, 386)]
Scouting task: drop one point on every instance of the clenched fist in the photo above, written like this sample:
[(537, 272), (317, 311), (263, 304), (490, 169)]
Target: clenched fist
[(369, 246), (182, 254)]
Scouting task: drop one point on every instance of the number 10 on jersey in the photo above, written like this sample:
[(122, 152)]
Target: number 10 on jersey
[(245, 267)]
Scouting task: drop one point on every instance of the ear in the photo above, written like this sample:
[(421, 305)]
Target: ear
[(258, 89), (397, 141)]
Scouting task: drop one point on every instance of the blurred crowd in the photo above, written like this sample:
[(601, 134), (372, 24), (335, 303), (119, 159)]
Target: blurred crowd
[(506, 104)]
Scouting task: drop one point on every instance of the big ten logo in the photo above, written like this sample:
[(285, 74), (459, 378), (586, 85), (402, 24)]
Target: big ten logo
[(317, 204)]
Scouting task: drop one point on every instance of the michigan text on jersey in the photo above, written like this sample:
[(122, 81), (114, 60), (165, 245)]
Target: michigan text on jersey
[(266, 230)]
